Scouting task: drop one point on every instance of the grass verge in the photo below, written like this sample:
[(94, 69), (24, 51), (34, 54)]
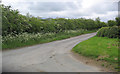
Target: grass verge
[(101, 49), (28, 39)]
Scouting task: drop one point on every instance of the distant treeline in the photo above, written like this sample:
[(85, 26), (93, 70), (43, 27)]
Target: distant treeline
[(14, 22)]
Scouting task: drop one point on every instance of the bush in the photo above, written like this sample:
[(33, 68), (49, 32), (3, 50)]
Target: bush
[(110, 32)]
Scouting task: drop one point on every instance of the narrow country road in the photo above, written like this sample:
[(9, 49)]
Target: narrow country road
[(48, 57)]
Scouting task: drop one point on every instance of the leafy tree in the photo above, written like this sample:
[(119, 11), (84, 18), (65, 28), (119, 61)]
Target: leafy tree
[(118, 21), (112, 23)]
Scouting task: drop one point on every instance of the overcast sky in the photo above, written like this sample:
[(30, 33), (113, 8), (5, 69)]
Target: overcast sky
[(105, 9)]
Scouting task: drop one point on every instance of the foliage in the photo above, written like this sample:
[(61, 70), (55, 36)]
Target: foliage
[(118, 21), (15, 23), (19, 40), (115, 22), (112, 23), (110, 32)]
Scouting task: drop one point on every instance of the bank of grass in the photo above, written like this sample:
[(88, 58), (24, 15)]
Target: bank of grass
[(12, 42), (100, 49)]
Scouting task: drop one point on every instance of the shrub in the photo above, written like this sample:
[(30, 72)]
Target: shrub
[(110, 32)]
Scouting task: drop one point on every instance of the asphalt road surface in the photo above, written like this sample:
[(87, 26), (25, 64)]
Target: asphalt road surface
[(48, 57)]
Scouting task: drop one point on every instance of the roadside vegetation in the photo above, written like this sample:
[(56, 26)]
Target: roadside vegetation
[(103, 47), (14, 23), (110, 32), (23, 30), (26, 39)]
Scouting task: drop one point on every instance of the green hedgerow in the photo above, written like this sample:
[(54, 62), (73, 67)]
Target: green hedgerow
[(110, 32)]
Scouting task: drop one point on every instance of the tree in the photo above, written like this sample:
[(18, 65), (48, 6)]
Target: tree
[(97, 19), (118, 21), (112, 23)]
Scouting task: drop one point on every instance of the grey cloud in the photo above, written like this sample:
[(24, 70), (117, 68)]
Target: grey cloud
[(51, 6), (44, 8), (78, 14), (103, 8), (64, 9)]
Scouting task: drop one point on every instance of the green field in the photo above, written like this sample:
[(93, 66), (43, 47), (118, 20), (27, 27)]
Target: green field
[(101, 48)]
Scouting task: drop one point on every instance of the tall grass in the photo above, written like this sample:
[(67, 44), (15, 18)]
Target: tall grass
[(25, 39)]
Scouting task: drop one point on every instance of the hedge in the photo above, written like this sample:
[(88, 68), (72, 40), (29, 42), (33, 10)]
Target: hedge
[(110, 32)]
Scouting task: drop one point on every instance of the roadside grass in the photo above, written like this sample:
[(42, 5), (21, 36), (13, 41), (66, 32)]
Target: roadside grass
[(12, 42), (100, 49)]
